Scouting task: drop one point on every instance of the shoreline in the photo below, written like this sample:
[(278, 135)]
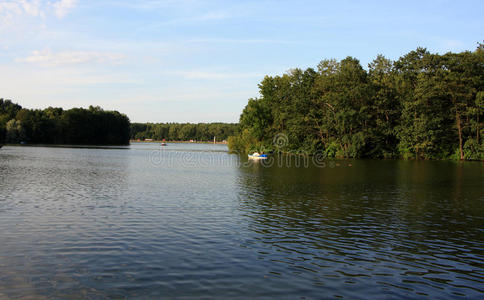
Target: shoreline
[(180, 142), (121, 146), (68, 146)]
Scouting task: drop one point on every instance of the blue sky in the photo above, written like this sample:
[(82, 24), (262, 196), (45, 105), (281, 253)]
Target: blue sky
[(199, 61)]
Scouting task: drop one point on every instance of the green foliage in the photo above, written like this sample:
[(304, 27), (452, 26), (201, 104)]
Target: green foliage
[(8, 111), (92, 126), (244, 142), (422, 106), (14, 131)]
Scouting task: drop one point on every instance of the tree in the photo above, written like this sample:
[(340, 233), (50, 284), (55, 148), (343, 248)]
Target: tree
[(15, 131), (423, 106)]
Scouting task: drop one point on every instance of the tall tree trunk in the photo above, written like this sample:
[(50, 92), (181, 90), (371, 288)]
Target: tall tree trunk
[(478, 125), (459, 129)]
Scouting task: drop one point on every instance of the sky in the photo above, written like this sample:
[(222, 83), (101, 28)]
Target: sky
[(200, 61)]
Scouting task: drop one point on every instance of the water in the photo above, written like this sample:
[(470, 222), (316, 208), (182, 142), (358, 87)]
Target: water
[(192, 221)]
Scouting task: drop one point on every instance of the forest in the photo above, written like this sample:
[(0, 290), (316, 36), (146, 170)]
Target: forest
[(422, 106), (76, 126), (182, 131)]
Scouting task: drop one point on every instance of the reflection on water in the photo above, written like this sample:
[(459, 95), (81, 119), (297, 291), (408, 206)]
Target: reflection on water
[(113, 223), (379, 227)]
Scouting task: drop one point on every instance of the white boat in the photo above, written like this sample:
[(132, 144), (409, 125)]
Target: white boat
[(256, 155)]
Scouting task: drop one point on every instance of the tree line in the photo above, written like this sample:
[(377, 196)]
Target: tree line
[(422, 106), (92, 126), (182, 131)]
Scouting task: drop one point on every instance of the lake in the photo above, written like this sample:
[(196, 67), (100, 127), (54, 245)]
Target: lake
[(193, 221)]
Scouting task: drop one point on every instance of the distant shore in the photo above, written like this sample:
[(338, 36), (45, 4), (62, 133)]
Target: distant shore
[(107, 145), (67, 146), (180, 142)]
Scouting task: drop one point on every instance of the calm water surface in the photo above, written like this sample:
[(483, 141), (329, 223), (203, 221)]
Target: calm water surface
[(192, 221)]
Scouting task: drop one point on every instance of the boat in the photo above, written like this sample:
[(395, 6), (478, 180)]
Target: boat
[(257, 156), (163, 143)]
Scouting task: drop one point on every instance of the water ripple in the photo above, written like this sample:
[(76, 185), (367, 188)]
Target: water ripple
[(110, 224)]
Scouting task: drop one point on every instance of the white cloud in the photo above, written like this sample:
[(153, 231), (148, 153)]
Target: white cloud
[(14, 10), (452, 45), (63, 7), (8, 12), (9, 7), (196, 74), (27, 83), (212, 16), (47, 58), (239, 41), (31, 8)]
